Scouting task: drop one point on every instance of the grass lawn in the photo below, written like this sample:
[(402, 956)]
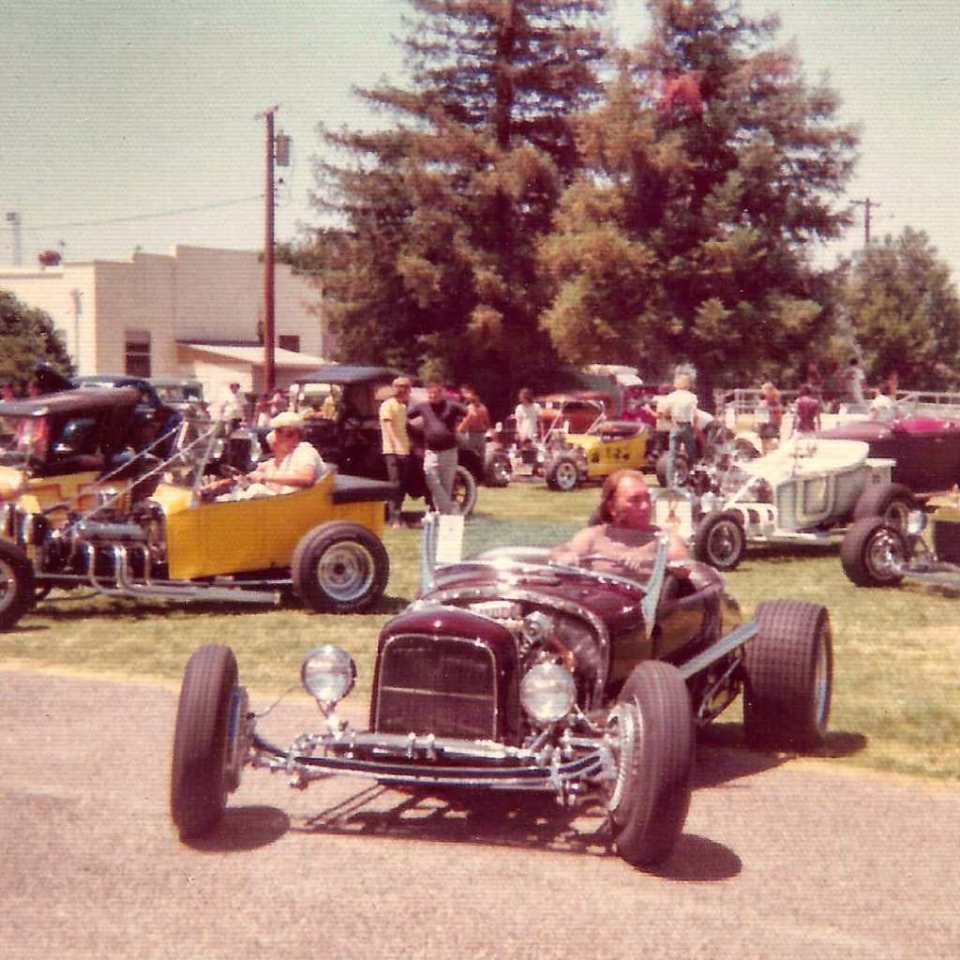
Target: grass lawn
[(897, 672)]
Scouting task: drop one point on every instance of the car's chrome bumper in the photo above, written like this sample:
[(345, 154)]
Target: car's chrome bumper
[(426, 760)]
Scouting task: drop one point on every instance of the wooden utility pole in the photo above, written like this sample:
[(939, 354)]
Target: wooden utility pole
[(867, 205), (269, 332)]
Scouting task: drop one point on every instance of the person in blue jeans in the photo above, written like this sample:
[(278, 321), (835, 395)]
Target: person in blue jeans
[(436, 420), (680, 407)]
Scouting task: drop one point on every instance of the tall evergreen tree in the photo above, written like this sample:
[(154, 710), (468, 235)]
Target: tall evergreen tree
[(434, 254), (904, 311), (713, 170), (28, 337)]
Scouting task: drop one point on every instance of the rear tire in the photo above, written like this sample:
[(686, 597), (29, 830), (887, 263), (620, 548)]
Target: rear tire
[(681, 470), (340, 568), (465, 491), (869, 550), (891, 501), (18, 590), (198, 782), (654, 728), (788, 680)]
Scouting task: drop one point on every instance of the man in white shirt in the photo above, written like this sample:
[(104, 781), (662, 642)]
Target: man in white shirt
[(680, 407), (232, 407), (527, 414)]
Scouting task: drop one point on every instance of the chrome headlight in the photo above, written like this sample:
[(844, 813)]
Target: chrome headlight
[(916, 523), (547, 692), (328, 674)]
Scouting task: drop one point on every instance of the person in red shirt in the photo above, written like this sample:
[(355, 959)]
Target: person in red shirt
[(806, 412)]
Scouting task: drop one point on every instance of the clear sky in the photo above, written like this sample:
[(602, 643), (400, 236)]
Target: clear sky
[(128, 123)]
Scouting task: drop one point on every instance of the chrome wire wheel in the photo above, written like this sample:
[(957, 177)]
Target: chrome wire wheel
[(345, 571), (884, 555)]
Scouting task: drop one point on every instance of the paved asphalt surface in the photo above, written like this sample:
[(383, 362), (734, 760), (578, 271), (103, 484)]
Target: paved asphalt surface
[(780, 858)]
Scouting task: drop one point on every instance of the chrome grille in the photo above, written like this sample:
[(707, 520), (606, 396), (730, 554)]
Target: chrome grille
[(440, 685)]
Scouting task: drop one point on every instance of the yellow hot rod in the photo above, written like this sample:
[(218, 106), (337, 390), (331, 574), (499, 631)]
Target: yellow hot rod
[(69, 517)]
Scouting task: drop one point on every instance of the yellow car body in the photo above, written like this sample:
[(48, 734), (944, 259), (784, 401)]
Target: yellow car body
[(222, 538), (612, 449)]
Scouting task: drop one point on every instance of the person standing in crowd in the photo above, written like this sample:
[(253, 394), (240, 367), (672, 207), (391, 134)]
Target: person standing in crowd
[(853, 378), (8, 393), (231, 407), (883, 405), (680, 407), (769, 416), (806, 415), (472, 429), (436, 420), (527, 414), (396, 445)]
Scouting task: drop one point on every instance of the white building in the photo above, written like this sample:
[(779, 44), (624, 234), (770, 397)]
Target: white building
[(196, 313)]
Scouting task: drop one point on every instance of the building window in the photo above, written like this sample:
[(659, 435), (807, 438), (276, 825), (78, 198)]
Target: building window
[(288, 342), (137, 351)]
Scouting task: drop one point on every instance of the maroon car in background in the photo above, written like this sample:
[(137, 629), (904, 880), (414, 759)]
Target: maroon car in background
[(926, 449)]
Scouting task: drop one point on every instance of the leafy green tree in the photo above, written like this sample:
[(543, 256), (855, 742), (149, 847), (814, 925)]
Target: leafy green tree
[(437, 219), (27, 337), (712, 171), (904, 312)]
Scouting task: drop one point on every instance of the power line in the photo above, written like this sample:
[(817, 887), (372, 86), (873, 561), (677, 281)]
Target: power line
[(147, 216)]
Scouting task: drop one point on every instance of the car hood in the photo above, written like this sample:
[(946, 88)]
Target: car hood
[(613, 599)]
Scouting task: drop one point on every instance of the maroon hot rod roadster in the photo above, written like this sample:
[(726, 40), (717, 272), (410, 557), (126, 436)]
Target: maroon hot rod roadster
[(511, 673)]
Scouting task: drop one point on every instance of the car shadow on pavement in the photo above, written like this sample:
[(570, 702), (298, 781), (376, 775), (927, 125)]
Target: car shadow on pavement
[(244, 828), (723, 755), (500, 818)]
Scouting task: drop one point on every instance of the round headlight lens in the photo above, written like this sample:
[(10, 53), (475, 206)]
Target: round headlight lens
[(547, 692), (328, 674)]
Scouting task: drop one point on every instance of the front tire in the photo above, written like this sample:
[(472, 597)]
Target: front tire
[(654, 741), (872, 552), (340, 568), (563, 475), (788, 681), (720, 540), (198, 780), (17, 586)]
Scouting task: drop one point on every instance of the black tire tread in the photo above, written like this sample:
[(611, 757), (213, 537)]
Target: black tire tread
[(780, 668), (314, 543), (197, 788), (853, 549), (654, 808), (701, 539), (877, 498), (25, 590)]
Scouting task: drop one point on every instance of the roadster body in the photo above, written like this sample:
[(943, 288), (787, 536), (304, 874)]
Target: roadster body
[(804, 493), (510, 673), (69, 518)]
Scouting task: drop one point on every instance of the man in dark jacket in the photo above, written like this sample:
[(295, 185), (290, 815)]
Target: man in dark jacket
[(436, 421)]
